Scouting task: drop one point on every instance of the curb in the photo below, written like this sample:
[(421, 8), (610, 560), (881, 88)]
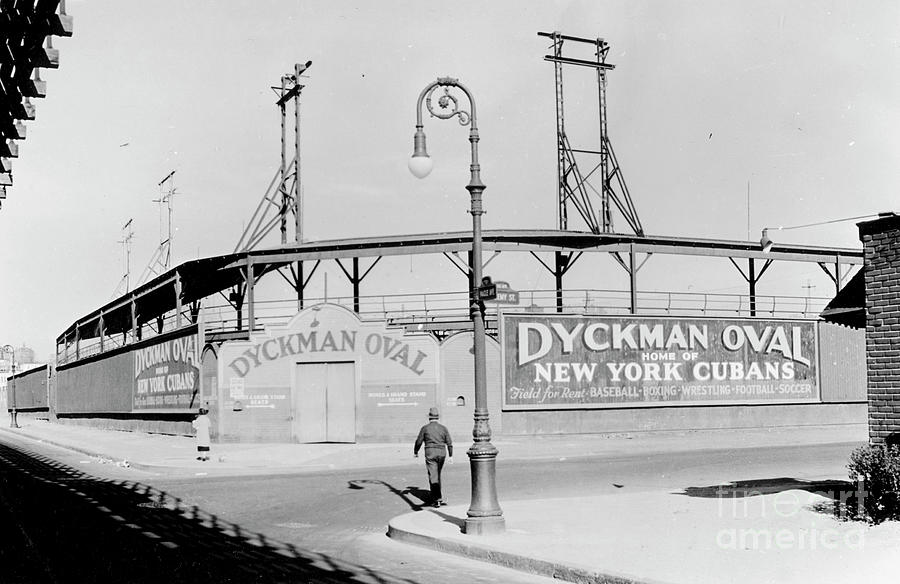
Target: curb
[(79, 450), (160, 468), (154, 467), (486, 553)]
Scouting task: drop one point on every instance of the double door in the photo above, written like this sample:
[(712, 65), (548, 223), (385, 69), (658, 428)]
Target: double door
[(324, 402)]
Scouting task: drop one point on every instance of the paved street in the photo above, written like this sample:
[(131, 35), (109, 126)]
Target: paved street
[(323, 526)]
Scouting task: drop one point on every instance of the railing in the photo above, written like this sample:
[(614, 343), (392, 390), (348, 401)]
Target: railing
[(409, 309), (446, 308), (93, 346)]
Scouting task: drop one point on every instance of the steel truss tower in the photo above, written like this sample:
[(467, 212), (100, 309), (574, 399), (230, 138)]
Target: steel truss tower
[(284, 196), (576, 188)]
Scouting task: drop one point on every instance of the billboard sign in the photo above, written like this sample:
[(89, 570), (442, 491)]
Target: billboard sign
[(167, 375), (556, 361)]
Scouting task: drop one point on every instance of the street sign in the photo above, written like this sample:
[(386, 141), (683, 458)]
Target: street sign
[(487, 292), (505, 294)]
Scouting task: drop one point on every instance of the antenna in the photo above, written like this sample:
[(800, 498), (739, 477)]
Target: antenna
[(125, 282), (574, 185), (167, 199), (162, 257)]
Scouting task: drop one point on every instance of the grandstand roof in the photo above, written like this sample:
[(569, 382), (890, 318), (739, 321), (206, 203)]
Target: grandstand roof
[(198, 279), (26, 28)]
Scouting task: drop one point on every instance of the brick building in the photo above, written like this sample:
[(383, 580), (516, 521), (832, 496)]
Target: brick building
[(881, 244)]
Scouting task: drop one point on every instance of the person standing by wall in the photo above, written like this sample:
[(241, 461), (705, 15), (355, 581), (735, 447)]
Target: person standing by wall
[(201, 427), (436, 439)]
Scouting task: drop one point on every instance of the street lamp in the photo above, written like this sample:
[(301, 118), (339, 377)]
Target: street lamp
[(11, 351), (484, 515), (766, 242)]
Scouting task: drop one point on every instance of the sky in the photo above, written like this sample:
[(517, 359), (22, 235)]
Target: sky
[(798, 100)]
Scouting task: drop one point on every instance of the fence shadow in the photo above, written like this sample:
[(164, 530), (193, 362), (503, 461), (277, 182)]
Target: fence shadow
[(64, 525)]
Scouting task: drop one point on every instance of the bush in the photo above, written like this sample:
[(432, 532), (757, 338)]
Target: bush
[(877, 467)]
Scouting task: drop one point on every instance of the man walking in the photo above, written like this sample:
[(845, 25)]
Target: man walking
[(435, 437)]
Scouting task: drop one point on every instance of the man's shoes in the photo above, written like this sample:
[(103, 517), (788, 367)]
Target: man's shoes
[(442, 503)]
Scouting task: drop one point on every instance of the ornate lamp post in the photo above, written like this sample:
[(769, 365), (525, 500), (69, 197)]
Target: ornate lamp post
[(484, 514), (11, 395)]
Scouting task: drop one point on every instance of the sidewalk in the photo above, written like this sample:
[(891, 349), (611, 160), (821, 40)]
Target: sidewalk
[(166, 453), (670, 538), (651, 536)]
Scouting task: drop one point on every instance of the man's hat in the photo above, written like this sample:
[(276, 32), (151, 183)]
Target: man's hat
[(433, 414)]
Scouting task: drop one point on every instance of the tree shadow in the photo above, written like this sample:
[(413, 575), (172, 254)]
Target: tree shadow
[(60, 524), (406, 494), (756, 487), (844, 498)]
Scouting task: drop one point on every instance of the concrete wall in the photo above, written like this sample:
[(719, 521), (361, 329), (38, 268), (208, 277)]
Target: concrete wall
[(151, 426), (448, 385), (685, 418)]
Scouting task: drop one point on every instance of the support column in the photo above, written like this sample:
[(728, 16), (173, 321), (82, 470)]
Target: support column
[(282, 189), (301, 285), (355, 281), (178, 306), (751, 281), (632, 278), (298, 192), (133, 306), (560, 267), (251, 280), (838, 280)]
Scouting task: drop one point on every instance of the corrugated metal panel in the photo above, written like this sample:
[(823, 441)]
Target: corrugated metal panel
[(30, 389), (842, 363), (102, 386)]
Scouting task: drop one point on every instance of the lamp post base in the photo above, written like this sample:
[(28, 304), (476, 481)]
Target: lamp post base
[(485, 525), (484, 515)]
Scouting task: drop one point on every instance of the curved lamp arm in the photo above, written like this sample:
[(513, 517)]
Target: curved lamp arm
[(420, 164)]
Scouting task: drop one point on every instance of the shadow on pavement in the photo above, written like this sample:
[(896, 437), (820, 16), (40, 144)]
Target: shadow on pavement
[(59, 524), (420, 494), (845, 497), (457, 521), (756, 487)]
